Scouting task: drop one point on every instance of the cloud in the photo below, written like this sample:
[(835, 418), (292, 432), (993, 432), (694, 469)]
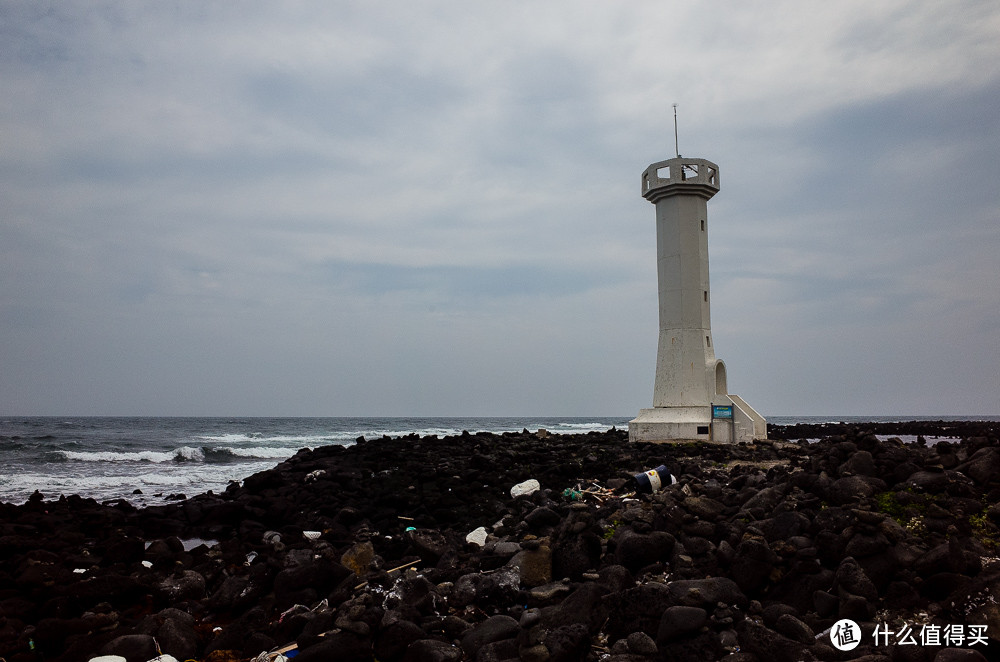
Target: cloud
[(374, 208)]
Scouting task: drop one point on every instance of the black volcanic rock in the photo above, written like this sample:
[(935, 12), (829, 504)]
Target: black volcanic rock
[(360, 551)]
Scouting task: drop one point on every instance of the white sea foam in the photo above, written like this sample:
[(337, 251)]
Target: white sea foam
[(582, 427), (120, 456), (263, 453), (257, 439)]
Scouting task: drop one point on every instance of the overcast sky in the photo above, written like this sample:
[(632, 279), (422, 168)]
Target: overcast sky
[(433, 208)]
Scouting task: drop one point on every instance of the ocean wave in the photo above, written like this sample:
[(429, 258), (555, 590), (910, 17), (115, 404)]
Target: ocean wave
[(212, 454), (298, 441), (183, 454), (587, 427)]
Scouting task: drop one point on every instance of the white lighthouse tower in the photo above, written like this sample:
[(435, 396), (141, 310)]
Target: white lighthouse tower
[(691, 398)]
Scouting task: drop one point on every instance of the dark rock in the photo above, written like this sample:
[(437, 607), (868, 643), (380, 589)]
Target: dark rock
[(431, 650), (983, 466), (855, 488), (859, 464), (959, 655), (573, 555), (795, 629), (784, 526), (767, 644), (429, 545), (641, 643), (498, 651), (616, 578), (568, 643), (542, 517), (678, 621), (636, 609), (852, 579), (534, 566), (178, 637), (133, 647), (705, 593), (183, 585), (579, 607), (341, 646), (492, 629), (753, 564), (635, 551), (704, 507)]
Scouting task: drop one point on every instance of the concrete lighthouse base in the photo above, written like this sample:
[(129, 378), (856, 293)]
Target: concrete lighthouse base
[(729, 421)]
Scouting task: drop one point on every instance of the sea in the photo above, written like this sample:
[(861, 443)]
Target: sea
[(148, 460)]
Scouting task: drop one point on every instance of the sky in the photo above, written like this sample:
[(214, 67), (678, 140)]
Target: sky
[(431, 208)]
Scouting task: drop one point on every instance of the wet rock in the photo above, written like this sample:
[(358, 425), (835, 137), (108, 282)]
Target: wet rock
[(183, 585), (429, 545)]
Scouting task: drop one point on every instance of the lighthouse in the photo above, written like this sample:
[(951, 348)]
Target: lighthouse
[(691, 398)]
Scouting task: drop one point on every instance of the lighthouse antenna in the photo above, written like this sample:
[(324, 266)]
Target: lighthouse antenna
[(677, 149)]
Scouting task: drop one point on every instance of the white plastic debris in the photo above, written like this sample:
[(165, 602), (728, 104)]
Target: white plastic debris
[(314, 475), (312, 535), (147, 564), (108, 658), (477, 537), (164, 658), (529, 486)]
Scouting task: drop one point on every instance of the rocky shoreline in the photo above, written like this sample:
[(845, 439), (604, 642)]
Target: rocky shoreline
[(361, 553)]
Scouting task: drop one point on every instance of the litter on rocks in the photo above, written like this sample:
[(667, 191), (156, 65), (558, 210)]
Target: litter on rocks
[(529, 486), (653, 480), (594, 491), (477, 536)]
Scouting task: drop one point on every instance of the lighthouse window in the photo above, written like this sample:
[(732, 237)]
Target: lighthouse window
[(708, 341), (702, 225), (705, 293)]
